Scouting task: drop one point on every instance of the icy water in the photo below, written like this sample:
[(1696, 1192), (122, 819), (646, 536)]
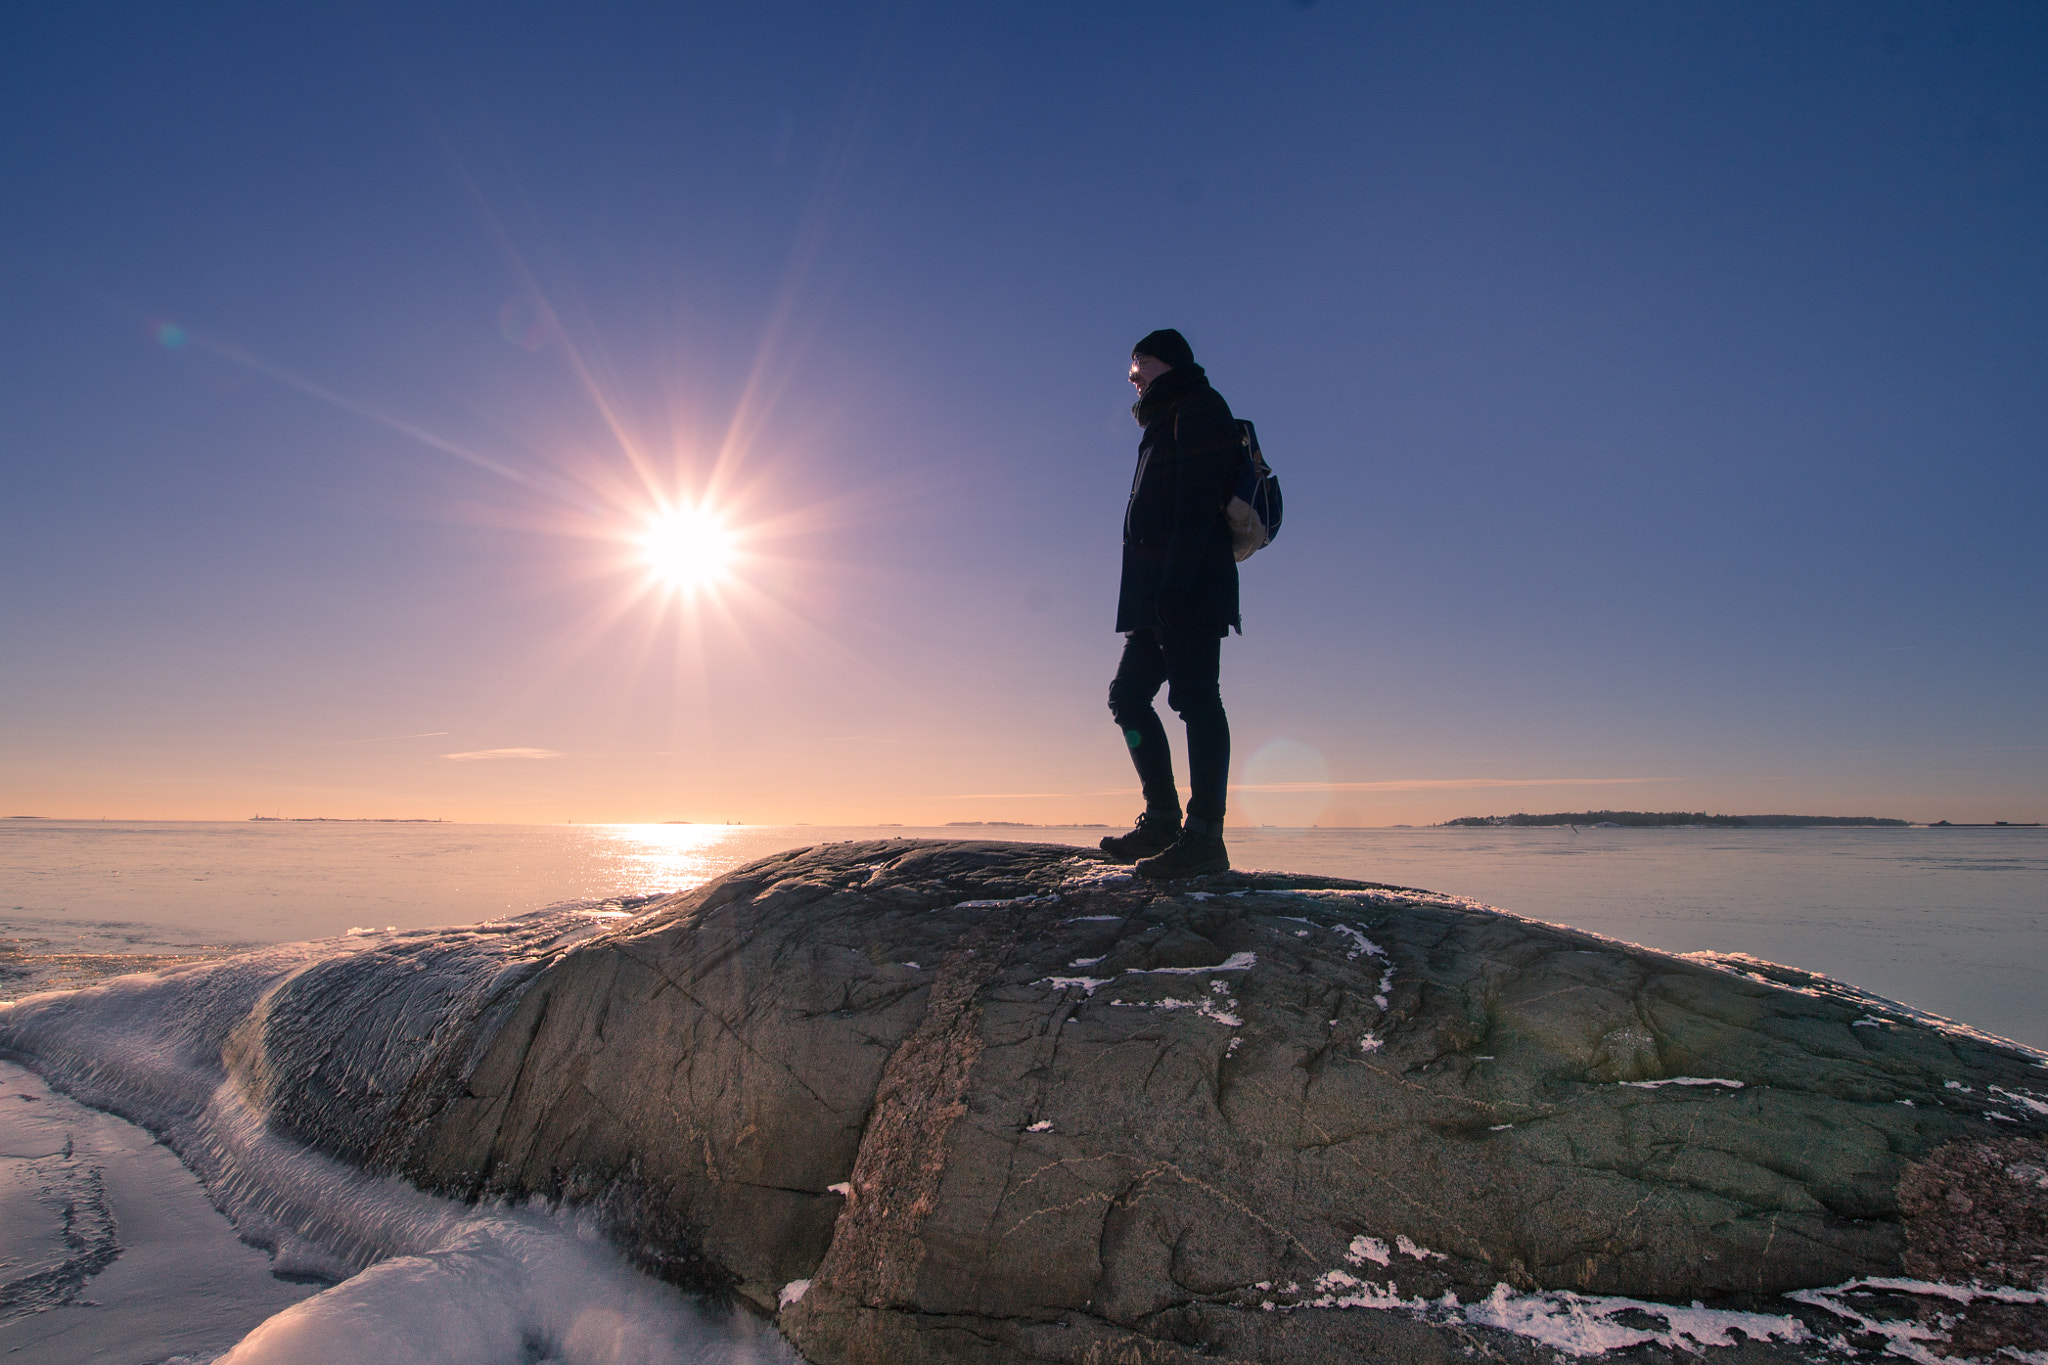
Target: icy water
[(1954, 921), (109, 1250)]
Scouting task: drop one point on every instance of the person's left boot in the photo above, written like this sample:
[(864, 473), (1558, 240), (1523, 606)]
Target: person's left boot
[(1199, 852)]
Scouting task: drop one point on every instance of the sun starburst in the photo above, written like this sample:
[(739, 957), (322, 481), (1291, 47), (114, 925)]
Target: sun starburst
[(688, 548)]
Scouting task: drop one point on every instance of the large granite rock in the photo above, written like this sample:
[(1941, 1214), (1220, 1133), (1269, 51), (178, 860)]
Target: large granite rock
[(994, 1102)]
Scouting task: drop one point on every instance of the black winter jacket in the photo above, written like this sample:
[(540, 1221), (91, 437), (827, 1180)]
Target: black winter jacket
[(1176, 542)]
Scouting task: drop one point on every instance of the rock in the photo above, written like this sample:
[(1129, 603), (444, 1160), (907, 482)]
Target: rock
[(999, 1102)]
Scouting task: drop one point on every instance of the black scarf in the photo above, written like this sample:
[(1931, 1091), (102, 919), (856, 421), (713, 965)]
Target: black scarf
[(1167, 390)]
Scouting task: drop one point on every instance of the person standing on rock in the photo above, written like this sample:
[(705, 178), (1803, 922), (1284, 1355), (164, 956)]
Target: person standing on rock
[(1177, 601)]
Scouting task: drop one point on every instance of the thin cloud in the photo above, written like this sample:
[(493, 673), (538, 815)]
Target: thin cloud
[(379, 739), (474, 754)]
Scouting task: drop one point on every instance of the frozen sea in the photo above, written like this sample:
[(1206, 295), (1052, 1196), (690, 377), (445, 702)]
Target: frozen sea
[(1952, 922)]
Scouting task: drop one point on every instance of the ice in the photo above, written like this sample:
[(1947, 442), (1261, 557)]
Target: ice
[(503, 1282), (423, 1278), (108, 1248)]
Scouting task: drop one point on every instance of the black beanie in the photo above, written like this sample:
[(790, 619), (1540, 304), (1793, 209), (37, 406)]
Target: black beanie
[(1167, 345)]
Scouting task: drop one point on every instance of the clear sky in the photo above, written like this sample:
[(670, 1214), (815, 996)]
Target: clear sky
[(1659, 391)]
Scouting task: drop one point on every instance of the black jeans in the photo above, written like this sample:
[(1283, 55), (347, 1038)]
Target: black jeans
[(1188, 662)]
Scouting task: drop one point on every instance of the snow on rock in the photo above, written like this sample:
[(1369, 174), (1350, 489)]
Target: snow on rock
[(1365, 1249), (1685, 1080), (1582, 1325), (1236, 962)]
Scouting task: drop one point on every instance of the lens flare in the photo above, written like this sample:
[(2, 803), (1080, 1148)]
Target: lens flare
[(688, 548)]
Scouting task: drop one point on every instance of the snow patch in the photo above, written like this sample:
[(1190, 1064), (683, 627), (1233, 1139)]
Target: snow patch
[(999, 904), (1365, 1249), (1583, 1325), (1208, 1009), (2027, 1102), (1091, 873), (1684, 1080), (1236, 962), (1088, 984), (1904, 1337), (844, 1189), (1042, 1126), (793, 1292), (1360, 943)]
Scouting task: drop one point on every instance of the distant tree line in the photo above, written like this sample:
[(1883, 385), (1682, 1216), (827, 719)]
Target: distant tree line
[(1640, 819)]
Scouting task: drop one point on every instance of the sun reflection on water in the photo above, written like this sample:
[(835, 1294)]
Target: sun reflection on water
[(650, 859)]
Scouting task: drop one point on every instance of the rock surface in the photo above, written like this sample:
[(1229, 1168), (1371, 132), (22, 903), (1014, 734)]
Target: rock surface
[(995, 1102)]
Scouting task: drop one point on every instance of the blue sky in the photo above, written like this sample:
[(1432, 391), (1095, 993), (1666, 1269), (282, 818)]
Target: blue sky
[(1657, 390)]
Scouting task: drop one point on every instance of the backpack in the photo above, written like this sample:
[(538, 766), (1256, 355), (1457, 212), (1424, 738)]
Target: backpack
[(1253, 509)]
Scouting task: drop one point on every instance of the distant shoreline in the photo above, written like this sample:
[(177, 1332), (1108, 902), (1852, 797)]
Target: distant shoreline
[(1637, 819)]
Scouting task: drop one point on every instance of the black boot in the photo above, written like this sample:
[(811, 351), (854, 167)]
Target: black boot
[(1199, 852), (1154, 833)]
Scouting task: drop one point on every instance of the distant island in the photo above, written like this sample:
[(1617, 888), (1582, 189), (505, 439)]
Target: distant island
[(1012, 824), (348, 819), (1638, 819)]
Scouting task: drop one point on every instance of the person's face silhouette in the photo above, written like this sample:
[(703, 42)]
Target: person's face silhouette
[(1145, 369)]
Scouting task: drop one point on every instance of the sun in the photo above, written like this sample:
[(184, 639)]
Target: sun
[(688, 548)]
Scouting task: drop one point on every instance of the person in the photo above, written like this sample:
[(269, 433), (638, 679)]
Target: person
[(1176, 602)]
